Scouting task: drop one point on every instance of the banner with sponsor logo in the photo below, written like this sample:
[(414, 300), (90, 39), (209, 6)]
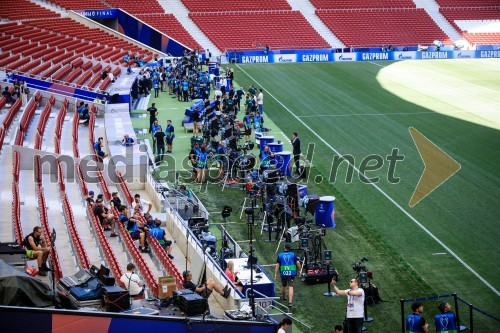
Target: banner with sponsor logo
[(374, 56), (289, 56)]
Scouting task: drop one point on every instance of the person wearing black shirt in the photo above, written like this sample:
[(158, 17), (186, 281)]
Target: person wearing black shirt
[(115, 200), (296, 150), (159, 138), (153, 112), (35, 248), (196, 119), (206, 289)]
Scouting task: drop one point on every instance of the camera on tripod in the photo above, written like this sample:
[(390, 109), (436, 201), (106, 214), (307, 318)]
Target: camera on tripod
[(358, 266)]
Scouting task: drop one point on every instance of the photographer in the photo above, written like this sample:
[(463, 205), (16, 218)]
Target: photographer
[(355, 304)]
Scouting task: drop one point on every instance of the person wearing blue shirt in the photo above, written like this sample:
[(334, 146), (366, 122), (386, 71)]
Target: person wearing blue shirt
[(127, 141), (415, 323), (202, 165), (185, 89), (154, 128), (265, 159), (169, 135), (221, 158), (126, 58), (161, 236), (288, 266), (258, 121), (156, 86), (445, 321), (98, 150), (247, 124)]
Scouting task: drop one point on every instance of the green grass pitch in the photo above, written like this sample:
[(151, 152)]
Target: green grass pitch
[(365, 109)]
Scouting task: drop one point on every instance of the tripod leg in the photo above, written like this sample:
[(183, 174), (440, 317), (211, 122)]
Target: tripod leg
[(264, 219), (243, 207), (279, 242)]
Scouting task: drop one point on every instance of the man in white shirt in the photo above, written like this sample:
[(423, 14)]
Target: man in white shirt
[(260, 102), (132, 281), (141, 206), (355, 304)]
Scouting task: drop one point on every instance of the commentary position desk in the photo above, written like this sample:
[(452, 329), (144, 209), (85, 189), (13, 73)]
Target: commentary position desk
[(261, 282)]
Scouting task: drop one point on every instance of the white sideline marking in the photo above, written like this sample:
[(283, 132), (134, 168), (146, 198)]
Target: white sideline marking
[(379, 65), (381, 114), (379, 189)]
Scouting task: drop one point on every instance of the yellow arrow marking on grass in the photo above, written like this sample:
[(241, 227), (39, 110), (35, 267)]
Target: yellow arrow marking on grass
[(439, 166)]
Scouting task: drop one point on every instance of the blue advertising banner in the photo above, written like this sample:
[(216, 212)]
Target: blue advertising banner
[(435, 55), (108, 13), (374, 56), (488, 54), (284, 56)]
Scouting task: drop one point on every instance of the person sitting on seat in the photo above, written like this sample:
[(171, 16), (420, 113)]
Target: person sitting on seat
[(8, 96), (83, 112), (127, 141), (132, 282), (206, 289), (98, 150), (131, 224), (161, 236), (233, 276), (35, 248)]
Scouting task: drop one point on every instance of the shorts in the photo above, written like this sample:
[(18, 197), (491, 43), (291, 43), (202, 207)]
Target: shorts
[(169, 141), (165, 243), (135, 234), (30, 254), (248, 131), (287, 281)]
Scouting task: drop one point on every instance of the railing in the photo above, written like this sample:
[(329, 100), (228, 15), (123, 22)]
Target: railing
[(59, 124)]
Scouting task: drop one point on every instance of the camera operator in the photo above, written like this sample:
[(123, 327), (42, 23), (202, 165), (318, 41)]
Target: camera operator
[(288, 265), (355, 304)]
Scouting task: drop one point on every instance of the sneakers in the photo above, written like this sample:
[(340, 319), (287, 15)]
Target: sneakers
[(144, 250), (106, 228), (113, 235), (170, 256), (44, 268), (283, 298), (41, 272), (290, 305)]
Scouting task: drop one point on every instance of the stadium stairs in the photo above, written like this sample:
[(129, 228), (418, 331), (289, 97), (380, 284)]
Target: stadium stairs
[(432, 9), (181, 13), (309, 12), (479, 12)]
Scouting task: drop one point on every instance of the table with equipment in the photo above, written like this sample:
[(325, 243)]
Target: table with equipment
[(261, 282)]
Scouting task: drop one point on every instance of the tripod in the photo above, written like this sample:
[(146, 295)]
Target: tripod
[(251, 223)]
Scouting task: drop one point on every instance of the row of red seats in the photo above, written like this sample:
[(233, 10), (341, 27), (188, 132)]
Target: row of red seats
[(226, 5), (169, 25), (361, 4), (75, 124), (81, 253), (278, 30), (91, 135), (124, 188), (75, 238), (24, 9), (42, 122), (103, 241), (137, 6), (44, 221), (42, 208), (167, 263), (467, 3), (78, 4), (104, 185), (16, 201), (141, 264), (381, 27), (28, 114), (59, 124), (7, 121), (482, 38)]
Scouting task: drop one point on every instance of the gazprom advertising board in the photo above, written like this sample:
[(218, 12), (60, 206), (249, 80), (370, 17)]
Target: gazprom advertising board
[(285, 56)]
